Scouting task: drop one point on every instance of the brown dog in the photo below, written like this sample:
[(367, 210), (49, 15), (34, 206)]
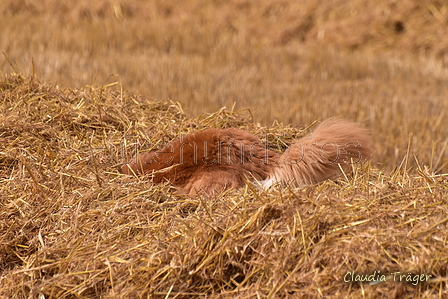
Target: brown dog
[(217, 159)]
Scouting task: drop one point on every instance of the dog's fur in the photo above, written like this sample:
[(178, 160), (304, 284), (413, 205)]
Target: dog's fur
[(213, 160)]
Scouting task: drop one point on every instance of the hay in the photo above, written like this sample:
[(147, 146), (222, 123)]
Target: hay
[(380, 63), (71, 226)]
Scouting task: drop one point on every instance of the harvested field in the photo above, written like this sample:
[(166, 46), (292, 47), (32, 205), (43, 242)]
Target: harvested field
[(72, 226), (85, 85)]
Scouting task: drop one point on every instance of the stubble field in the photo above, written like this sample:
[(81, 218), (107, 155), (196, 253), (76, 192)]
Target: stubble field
[(102, 78)]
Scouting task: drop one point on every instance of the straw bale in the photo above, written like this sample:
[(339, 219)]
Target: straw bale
[(72, 226)]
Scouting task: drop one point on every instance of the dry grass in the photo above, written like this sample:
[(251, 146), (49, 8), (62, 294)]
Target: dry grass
[(289, 62), (72, 226)]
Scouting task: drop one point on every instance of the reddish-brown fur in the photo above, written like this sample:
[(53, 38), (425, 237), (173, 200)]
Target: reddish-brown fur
[(217, 159), (208, 160), (335, 144)]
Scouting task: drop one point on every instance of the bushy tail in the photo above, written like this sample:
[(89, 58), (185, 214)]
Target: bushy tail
[(335, 144)]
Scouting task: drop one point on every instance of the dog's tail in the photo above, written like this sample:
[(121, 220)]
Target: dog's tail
[(334, 145)]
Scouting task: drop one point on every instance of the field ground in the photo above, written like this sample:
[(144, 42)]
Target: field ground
[(100, 78)]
